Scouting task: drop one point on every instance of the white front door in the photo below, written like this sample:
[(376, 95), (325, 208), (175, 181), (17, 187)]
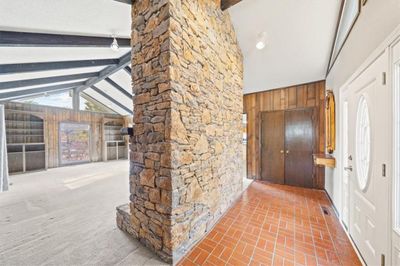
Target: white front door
[(396, 158), (368, 154)]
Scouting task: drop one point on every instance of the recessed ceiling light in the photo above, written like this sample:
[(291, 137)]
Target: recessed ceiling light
[(114, 45), (260, 45), (261, 40)]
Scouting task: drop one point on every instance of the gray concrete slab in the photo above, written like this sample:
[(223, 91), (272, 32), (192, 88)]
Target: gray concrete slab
[(66, 216)]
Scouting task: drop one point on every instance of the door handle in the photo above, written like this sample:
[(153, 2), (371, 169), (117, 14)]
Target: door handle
[(349, 168), (282, 151), (287, 151)]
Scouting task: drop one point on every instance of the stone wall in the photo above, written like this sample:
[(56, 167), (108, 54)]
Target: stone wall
[(186, 159), (150, 180), (206, 81)]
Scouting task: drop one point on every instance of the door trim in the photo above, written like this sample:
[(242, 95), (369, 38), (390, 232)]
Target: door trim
[(395, 181)]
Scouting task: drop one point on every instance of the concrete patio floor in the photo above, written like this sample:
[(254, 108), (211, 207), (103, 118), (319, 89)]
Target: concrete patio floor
[(66, 216)]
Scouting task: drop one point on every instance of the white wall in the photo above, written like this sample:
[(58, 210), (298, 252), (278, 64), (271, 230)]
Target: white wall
[(377, 21)]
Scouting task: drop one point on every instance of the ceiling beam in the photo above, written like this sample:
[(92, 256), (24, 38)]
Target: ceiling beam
[(108, 97), (29, 39), (118, 87), (108, 71), (225, 4), (46, 80), (30, 92), (128, 70), (89, 98), (129, 2), (45, 66)]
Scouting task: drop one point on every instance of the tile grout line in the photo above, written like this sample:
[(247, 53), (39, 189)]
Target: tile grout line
[(259, 235), (309, 220)]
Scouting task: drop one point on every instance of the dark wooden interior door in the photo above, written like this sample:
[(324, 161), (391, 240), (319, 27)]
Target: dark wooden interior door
[(299, 147), (272, 147)]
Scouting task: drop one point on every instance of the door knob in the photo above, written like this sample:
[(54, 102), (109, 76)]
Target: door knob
[(282, 151), (287, 151), (348, 168)]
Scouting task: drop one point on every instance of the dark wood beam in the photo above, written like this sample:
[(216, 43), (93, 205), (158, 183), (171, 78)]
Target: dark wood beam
[(225, 4), (30, 92), (108, 71), (129, 2), (118, 87), (45, 66), (46, 80), (108, 97), (28, 39)]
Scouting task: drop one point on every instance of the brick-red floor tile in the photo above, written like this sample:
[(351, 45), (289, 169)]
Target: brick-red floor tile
[(276, 225)]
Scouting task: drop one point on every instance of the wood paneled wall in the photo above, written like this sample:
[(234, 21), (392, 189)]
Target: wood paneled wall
[(301, 96), (52, 117)]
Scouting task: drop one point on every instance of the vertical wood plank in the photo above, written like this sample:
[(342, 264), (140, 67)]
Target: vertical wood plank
[(301, 96), (276, 94), (292, 98), (311, 95)]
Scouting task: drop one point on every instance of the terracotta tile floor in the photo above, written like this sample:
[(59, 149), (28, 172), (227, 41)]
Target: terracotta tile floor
[(276, 225)]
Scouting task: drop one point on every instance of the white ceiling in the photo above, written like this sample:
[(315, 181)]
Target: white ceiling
[(299, 40), (85, 17), (80, 17)]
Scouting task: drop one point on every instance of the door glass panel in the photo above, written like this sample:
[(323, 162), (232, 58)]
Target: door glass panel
[(363, 143)]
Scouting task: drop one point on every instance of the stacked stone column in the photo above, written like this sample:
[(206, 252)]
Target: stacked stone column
[(186, 153)]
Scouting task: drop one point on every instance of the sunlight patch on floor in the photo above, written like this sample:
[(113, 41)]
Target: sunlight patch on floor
[(81, 181)]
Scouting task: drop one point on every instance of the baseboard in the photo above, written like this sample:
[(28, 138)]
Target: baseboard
[(345, 229), (333, 205)]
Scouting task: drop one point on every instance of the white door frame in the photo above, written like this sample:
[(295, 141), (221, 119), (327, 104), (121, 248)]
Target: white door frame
[(394, 82), (385, 46), (344, 159)]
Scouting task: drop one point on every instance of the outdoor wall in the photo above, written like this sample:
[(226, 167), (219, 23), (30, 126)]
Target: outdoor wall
[(187, 157)]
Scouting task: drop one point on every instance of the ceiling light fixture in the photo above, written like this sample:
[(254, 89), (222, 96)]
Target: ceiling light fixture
[(114, 45), (261, 40)]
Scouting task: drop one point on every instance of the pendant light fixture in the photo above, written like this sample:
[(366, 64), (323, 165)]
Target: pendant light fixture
[(114, 45)]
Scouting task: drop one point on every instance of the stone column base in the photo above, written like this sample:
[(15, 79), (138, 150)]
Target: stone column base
[(124, 223)]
